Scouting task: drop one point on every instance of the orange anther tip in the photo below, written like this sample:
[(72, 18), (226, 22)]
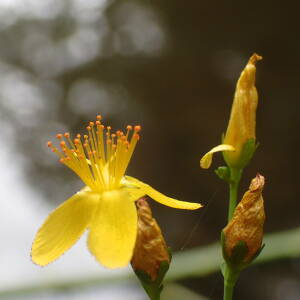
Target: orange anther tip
[(98, 123), (102, 126), (49, 144), (62, 160), (85, 145), (108, 128), (99, 117), (108, 141), (78, 136), (62, 144), (91, 123), (129, 127), (68, 158), (85, 137), (59, 136), (113, 135), (76, 141), (88, 128), (67, 134), (137, 128), (136, 136)]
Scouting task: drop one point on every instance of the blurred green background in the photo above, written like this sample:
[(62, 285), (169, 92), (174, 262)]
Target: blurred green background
[(170, 66)]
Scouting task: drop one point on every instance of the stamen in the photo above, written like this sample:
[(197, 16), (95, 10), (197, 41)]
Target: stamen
[(99, 159)]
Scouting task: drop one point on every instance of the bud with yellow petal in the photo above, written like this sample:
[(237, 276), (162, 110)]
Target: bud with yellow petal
[(151, 258), (242, 122), (242, 237), (238, 144)]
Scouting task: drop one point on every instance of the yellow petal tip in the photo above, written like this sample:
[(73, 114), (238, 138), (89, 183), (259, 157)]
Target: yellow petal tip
[(206, 160)]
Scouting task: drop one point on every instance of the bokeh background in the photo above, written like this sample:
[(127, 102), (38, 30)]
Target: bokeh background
[(170, 66)]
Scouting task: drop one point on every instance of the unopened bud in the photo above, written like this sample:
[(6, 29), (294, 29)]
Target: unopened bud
[(246, 226), (242, 122), (150, 248)]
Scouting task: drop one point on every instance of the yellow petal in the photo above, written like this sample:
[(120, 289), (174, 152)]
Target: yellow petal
[(161, 198), (206, 160), (63, 227), (113, 229)]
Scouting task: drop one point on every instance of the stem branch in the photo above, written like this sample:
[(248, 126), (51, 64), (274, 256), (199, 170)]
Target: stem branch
[(230, 275)]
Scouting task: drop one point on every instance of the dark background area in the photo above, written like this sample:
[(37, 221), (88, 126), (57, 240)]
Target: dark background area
[(170, 66)]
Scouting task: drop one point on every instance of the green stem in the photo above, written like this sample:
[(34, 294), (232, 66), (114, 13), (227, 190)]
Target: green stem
[(230, 278), (235, 176), (230, 275)]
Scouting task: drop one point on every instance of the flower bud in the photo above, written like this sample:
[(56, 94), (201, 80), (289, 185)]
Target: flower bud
[(150, 248), (242, 122), (238, 144), (246, 226)]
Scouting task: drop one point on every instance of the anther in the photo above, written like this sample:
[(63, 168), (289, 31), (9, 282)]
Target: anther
[(98, 123), (78, 136), (129, 127), (67, 135), (62, 160), (62, 144), (59, 136), (85, 137), (99, 117), (76, 141), (89, 128), (136, 136), (91, 124), (49, 144), (137, 128)]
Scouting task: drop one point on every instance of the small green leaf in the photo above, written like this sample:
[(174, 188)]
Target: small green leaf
[(223, 173)]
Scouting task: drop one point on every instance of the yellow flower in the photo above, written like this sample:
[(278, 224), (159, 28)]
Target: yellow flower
[(105, 206), (242, 122)]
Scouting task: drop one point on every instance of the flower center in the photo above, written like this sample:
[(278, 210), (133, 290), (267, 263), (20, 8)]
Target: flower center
[(100, 158)]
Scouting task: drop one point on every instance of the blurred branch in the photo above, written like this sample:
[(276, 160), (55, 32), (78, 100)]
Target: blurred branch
[(197, 262)]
